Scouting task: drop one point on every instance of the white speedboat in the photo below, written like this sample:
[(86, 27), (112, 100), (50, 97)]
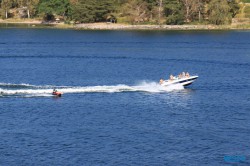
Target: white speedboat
[(184, 81)]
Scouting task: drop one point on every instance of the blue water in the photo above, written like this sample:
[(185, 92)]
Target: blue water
[(113, 112)]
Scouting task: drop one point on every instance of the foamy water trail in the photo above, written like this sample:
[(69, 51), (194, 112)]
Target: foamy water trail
[(155, 87), (32, 90)]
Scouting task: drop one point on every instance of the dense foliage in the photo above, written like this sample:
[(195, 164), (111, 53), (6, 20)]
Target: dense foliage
[(49, 9), (91, 10), (130, 11)]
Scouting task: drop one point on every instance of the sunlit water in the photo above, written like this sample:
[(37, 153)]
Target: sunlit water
[(113, 111)]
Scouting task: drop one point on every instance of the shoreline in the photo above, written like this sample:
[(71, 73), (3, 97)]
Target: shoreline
[(118, 26)]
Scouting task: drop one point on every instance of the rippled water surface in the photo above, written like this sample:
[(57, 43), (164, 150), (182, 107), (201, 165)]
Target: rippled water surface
[(113, 112)]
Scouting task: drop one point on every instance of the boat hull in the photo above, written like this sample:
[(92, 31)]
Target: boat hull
[(183, 81)]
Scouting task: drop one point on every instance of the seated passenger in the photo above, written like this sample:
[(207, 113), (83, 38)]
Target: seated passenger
[(187, 74), (54, 92), (161, 81), (171, 77), (183, 74)]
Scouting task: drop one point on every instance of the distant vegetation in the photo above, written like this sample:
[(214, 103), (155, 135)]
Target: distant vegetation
[(124, 11), (247, 11)]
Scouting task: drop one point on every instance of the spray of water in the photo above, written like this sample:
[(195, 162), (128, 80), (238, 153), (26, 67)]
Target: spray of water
[(32, 90)]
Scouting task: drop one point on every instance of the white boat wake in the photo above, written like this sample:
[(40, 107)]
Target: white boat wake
[(7, 89)]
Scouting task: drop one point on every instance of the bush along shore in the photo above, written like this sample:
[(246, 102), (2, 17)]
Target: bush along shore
[(129, 14)]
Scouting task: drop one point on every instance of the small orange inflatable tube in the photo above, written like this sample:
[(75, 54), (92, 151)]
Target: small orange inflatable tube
[(59, 94)]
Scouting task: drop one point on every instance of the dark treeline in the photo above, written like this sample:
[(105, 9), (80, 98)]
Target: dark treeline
[(124, 11)]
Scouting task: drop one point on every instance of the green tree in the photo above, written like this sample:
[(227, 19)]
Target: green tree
[(6, 5), (136, 11), (30, 4), (103, 9), (219, 12), (48, 9), (155, 10), (174, 12), (234, 7), (152, 10), (159, 9), (83, 11), (193, 9), (200, 8), (92, 10), (188, 6)]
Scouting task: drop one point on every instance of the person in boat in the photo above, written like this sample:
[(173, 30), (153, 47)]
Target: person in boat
[(54, 91), (187, 74), (183, 75), (161, 81), (171, 77)]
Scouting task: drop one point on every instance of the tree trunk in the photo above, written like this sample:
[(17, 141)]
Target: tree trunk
[(199, 16), (186, 4), (200, 8), (28, 12), (6, 14), (159, 14), (187, 14)]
